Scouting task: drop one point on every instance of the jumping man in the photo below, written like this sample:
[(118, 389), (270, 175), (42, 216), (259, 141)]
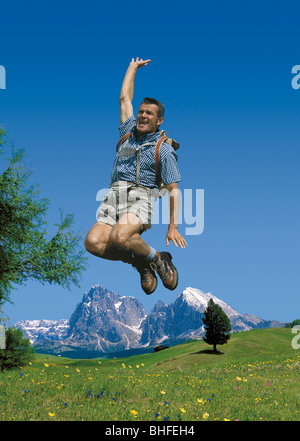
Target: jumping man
[(126, 211)]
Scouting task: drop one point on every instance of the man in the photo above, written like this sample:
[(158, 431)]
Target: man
[(126, 210)]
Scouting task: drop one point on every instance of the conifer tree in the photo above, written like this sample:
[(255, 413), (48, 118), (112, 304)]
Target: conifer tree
[(216, 324), (17, 351), (27, 250)]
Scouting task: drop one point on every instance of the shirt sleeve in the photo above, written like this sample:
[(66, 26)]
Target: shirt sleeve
[(168, 165), (127, 126)]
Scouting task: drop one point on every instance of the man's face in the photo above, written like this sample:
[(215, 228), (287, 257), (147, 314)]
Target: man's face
[(147, 121)]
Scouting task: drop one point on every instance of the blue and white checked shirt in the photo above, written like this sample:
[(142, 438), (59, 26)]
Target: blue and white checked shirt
[(125, 167)]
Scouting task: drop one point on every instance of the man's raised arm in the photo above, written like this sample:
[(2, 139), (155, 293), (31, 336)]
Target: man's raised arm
[(126, 96)]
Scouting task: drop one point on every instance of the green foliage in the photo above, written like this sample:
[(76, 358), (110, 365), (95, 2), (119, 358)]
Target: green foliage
[(17, 352), (293, 323), (26, 251), (216, 324)]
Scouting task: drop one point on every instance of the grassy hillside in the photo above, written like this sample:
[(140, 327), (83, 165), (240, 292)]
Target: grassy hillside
[(257, 378), (249, 344)]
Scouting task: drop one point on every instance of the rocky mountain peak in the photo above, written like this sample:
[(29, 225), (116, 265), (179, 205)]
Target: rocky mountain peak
[(106, 322)]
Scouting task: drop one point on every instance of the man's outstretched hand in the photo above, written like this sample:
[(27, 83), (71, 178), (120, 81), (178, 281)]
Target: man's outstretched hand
[(174, 236), (139, 63)]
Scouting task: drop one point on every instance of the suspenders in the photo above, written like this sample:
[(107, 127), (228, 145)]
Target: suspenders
[(127, 151)]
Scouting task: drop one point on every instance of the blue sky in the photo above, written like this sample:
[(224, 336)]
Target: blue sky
[(223, 71)]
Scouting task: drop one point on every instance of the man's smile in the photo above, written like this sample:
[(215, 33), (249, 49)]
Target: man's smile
[(143, 124)]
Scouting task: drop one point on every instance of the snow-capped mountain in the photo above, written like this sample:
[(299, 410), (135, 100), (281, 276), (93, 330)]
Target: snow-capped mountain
[(183, 318), (39, 330), (106, 322), (198, 300)]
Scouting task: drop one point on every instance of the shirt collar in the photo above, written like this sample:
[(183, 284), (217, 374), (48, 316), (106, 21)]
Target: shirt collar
[(148, 137)]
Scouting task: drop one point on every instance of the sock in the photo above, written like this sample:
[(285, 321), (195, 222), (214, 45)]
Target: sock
[(151, 255)]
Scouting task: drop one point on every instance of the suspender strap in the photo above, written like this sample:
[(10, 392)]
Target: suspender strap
[(138, 164), (122, 140), (157, 161), (127, 151), (118, 145)]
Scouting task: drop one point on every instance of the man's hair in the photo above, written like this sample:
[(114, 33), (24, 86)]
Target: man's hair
[(160, 106)]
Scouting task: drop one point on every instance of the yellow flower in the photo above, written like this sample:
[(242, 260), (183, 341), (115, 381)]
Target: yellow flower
[(133, 412), (200, 401), (46, 365), (51, 414), (123, 365), (163, 392), (205, 415), (137, 366), (182, 409), (226, 419), (78, 370)]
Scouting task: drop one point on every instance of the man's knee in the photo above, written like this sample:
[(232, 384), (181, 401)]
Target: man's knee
[(94, 245), (118, 238), (87, 243)]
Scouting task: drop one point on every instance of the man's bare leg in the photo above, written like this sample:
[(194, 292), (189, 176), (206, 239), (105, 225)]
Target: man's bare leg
[(120, 243), (126, 236), (97, 243), (122, 235), (115, 243)]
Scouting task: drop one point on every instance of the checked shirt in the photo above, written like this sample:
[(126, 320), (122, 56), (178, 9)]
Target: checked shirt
[(125, 166)]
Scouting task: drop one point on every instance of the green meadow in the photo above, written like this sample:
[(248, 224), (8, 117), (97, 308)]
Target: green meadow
[(255, 379)]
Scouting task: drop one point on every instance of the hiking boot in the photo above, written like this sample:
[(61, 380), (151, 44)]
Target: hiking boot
[(162, 264), (148, 276)]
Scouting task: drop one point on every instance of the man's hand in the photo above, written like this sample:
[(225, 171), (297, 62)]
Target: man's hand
[(174, 235), (139, 63)]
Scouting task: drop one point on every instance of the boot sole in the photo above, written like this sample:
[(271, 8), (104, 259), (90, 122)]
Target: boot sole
[(168, 257), (150, 292)]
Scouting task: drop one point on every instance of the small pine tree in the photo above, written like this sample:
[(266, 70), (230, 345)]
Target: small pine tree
[(17, 352), (216, 324)]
